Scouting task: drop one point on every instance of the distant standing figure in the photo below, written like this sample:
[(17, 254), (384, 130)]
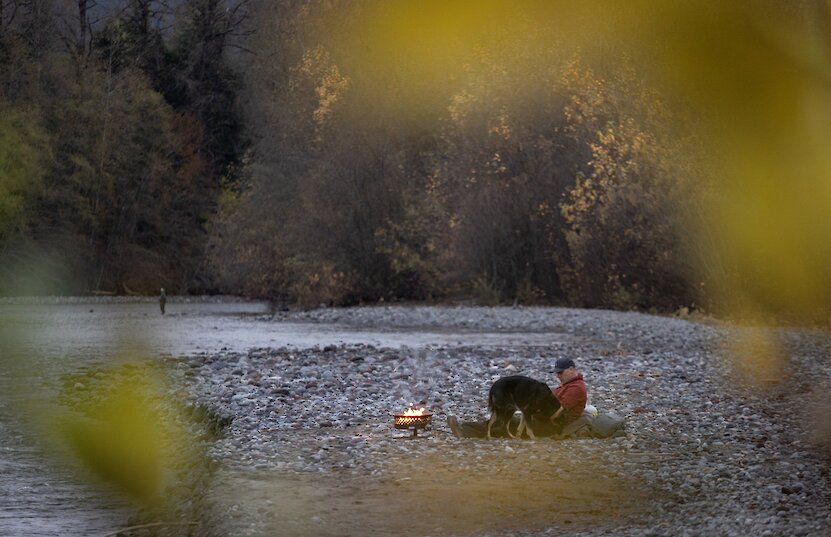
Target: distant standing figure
[(162, 300)]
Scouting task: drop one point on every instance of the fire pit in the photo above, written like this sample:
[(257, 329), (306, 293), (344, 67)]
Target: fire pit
[(413, 418)]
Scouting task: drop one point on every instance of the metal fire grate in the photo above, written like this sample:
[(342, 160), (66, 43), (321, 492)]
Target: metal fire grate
[(411, 421)]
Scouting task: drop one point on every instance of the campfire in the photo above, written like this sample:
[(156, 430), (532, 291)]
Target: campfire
[(413, 418)]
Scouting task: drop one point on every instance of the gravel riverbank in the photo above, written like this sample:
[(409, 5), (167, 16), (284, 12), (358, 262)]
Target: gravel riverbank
[(311, 449)]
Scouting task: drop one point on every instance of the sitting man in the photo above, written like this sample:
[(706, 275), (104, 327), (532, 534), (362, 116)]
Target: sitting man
[(571, 394)]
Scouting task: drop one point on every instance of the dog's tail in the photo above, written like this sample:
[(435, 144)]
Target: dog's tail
[(490, 400)]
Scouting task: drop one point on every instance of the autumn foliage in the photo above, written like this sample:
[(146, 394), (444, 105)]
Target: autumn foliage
[(339, 152), (530, 179)]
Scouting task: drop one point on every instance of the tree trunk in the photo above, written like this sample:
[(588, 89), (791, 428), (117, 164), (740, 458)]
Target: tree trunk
[(82, 28), (143, 9)]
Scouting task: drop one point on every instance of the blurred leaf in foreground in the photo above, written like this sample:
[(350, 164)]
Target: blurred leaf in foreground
[(121, 427), (120, 441)]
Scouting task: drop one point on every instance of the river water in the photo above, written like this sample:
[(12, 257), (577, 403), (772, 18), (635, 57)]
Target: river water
[(38, 343)]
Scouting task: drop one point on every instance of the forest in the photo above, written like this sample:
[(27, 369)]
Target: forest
[(655, 157)]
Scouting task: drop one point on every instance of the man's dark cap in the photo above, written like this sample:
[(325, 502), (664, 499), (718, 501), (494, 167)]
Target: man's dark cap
[(562, 364)]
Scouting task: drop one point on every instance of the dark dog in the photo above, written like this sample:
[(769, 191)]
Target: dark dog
[(531, 397)]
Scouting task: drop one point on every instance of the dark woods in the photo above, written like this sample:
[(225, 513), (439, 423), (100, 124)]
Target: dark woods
[(120, 124), (289, 150)]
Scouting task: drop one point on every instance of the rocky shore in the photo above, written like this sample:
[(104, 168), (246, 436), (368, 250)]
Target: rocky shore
[(308, 446)]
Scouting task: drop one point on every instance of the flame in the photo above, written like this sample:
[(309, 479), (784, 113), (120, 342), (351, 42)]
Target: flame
[(415, 411)]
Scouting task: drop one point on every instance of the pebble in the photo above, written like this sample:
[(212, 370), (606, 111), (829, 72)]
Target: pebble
[(720, 457)]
